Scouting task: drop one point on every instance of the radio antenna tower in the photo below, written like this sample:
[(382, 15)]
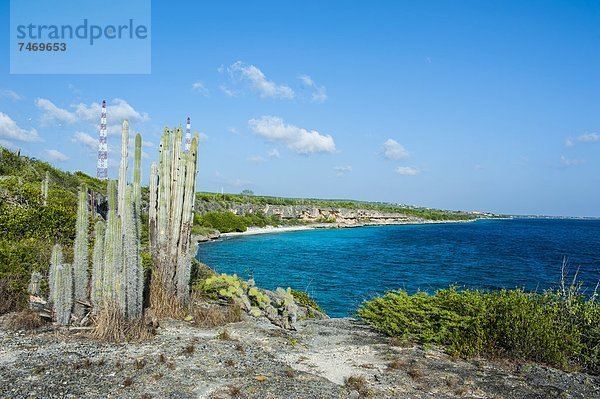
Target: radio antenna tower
[(188, 135), (102, 172)]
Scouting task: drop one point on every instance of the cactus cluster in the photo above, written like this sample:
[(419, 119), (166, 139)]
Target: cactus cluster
[(117, 272), (172, 196)]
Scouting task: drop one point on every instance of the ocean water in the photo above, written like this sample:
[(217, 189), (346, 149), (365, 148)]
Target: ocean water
[(341, 268)]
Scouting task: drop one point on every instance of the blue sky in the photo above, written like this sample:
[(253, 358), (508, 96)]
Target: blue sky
[(470, 105)]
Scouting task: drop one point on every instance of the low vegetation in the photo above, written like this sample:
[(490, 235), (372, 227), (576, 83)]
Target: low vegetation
[(425, 213), (304, 299), (227, 222), (561, 329)]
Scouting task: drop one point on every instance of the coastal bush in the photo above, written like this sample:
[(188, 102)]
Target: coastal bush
[(225, 222), (510, 323), (304, 299)]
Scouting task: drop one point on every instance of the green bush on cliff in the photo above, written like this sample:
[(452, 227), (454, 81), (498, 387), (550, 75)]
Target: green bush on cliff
[(545, 328), (227, 222), (304, 299)]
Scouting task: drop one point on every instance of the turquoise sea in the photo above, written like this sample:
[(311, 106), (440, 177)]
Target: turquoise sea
[(341, 268)]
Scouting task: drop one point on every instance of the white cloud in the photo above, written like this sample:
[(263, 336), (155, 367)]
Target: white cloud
[(306, 80), (589, 137), (566, 162), (148, 144), (259, 81), (299, 140), (274, 153), (582, 138), (342, 170), (199, 87), (202, 137), (52, 113), (55, 155), (408, 170), (116, 112), (319, 94), (393, 150), (11, 95), (256, 159), (10, 130), (228, 92), (86, 140)]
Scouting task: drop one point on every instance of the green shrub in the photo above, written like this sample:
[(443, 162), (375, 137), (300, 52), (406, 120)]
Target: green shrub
[(225, 222), (511, 323), (303, 298)]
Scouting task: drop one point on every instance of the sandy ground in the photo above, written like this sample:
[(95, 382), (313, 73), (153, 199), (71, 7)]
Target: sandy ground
[(277, 229)]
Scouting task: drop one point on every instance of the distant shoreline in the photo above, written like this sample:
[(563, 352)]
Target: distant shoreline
[(315, 226)]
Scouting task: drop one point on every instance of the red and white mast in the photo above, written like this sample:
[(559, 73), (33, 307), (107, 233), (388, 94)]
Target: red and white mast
[(188, 135), (102, 172)]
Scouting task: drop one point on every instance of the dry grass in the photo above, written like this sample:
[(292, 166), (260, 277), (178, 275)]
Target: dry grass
[(224, 335), (290, 373), (240, 348), (212, 315), (416, 374), (127, 382), (162, 358), (235, 391), (358, 383), (24, 320), (139, 364), (164, 304), (188, 350), (229, 363), (110, 325), (398, 364)]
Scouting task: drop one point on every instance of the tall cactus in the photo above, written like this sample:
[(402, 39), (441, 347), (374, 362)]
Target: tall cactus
[(45, 184), (56, 259), (122, 182), (109, 271), (80, 258), (172, 195), (97, 289), (61, 286)]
